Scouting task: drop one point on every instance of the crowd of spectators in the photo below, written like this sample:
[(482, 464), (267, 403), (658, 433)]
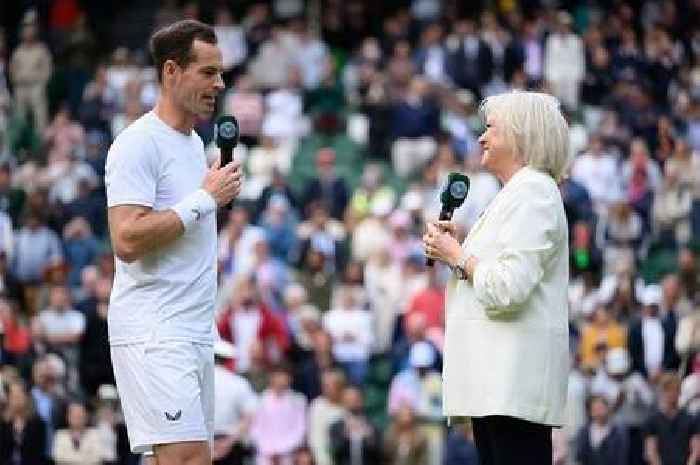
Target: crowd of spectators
[(351, 119)]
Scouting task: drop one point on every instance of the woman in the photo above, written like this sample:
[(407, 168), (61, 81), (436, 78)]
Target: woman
[(78, 444), (506, 347)]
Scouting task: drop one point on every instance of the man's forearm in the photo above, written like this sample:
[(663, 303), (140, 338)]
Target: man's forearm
[(149, 232)]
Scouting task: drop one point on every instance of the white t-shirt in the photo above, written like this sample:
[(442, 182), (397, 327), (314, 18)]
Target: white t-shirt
[(234, 399), (58, 323), (169, 293)]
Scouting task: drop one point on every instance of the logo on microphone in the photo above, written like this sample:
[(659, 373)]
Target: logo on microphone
[(227, 130), (458, 189)]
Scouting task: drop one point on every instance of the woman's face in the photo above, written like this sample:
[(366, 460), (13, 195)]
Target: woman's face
[(16, 399), (497, 153)]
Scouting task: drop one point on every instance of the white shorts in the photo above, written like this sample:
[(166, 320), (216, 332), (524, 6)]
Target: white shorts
[(166, 391)]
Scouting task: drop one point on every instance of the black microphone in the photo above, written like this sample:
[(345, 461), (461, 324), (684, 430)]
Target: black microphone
[(452, 196), (226, 134)]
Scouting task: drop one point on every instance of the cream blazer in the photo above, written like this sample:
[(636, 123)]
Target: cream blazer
[(506, 335)]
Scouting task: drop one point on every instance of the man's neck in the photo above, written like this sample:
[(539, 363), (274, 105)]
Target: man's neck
[(173, 116)]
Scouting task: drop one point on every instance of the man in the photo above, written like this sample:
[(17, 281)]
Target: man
[(602, 441), (672, 435), (235, 406), (651, 335), (324, 411), (161, 202), (30, 70), (280, 422), (353, 439)]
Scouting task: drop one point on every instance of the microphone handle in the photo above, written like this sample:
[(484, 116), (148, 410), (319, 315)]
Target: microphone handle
[(445, 215), (226, 158)]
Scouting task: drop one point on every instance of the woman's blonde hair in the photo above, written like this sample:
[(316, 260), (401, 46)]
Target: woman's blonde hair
[(535, 127)]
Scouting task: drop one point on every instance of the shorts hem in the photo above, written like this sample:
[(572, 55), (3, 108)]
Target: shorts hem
[(146, 446)]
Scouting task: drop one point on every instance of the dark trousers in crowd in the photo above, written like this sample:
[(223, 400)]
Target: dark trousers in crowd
[(504, 440), (240, 454)]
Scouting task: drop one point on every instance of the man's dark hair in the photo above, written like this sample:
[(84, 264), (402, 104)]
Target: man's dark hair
[(174, 42)]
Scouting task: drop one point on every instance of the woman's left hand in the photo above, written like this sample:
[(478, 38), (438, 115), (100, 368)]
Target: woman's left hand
[(440, 245)]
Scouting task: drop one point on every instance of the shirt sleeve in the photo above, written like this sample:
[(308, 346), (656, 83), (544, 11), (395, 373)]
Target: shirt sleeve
[(131, 171), (529, 238)]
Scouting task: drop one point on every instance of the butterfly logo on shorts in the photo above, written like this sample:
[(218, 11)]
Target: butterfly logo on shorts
[(173, 416)]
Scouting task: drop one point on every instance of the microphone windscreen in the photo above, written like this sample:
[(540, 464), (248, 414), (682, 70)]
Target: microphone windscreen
[(455, 191), (226, 132)]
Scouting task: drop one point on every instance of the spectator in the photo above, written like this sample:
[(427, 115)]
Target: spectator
[(430, 302), (460, 448), (64, 328), (598, 172), (307, 378), (404, 442), (327, 186), (628, 396), (419, 388), (81, 248), (245, 103), (235, 407), (316, 277), (279, 424), (470, 59), (11, 197), (65, 140), (651, 337), (672, 435), (231, 39), (414, 123), (48, 395), (601, 334), (354, 441), (671, 210), (78, 444), (351, 329), (431, 56), (601, 442), (37, 246), (247, 320), (22, 431), (564, 62), (95, 361), (324, 411), (279, 223), (30, 69)]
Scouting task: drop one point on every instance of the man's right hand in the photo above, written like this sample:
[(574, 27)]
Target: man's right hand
[(223, 183)]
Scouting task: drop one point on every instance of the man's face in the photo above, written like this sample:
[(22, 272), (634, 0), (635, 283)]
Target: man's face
[(196, 86)]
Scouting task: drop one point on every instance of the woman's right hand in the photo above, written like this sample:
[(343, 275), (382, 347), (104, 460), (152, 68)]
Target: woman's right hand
[(447, 226)]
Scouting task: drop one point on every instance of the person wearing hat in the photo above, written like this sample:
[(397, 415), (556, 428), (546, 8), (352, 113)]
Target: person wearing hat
[(235, 406), (651, 337), (628, 395), (420, 388)]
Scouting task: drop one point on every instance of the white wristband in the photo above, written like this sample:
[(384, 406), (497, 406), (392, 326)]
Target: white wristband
[(194, 207)]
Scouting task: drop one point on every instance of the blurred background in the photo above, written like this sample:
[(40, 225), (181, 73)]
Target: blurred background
[(352, 113)]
